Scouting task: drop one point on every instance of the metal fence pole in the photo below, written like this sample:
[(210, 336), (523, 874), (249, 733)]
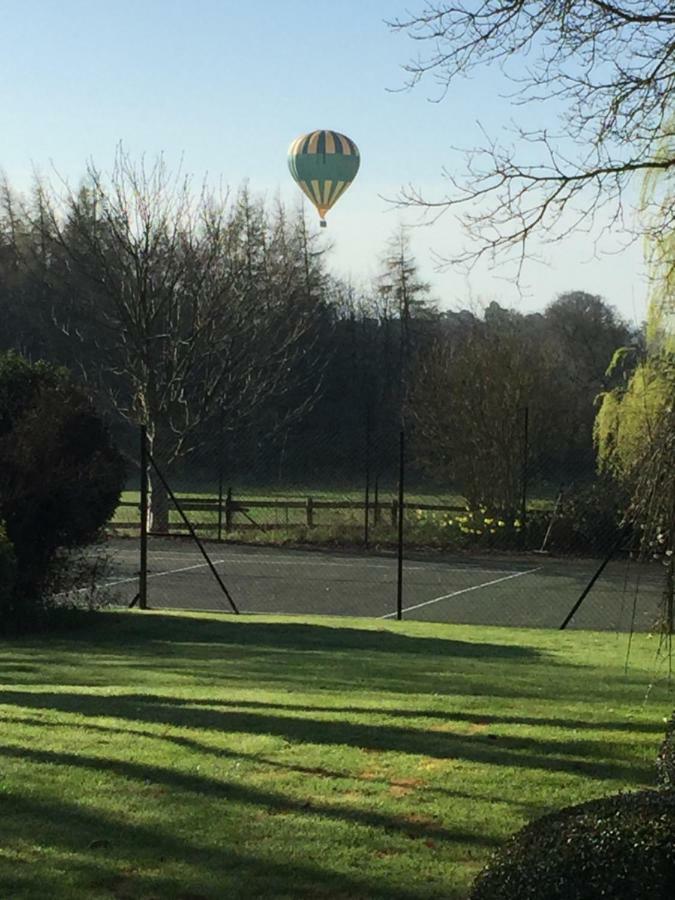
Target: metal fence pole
[(366, 518), (598, 572), (143, 573), (193, 533), (401, 510), (220, 477), (524, 478)]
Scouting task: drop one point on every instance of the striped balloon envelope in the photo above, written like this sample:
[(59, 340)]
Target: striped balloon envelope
[(324, 164)]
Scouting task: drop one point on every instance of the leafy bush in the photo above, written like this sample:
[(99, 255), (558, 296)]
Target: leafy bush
[(665, 761), (621, 847), (60, 477), (590, 519)]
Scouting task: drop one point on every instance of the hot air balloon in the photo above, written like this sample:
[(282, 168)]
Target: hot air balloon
[(324, 164)]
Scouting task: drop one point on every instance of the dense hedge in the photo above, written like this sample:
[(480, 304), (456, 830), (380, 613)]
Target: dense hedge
[(590, 519), (665, 761), (60, 480), (620, 847)]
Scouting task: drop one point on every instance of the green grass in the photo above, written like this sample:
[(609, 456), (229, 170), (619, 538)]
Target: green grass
[(175, 756)]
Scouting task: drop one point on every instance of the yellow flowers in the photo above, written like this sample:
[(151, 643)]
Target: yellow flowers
[(468, 527)]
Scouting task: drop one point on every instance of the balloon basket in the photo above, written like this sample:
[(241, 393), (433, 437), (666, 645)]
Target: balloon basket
[(322, 223)]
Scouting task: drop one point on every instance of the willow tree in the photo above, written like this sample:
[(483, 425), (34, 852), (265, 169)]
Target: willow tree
[(635, 426)]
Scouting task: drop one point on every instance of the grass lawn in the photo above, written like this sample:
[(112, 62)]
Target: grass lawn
[(156, 755)]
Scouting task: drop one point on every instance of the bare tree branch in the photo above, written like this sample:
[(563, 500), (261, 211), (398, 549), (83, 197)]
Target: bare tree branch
[(610, 68), (183, 304)]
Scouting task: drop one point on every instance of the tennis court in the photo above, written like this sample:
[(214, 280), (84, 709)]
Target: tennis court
[(528, 590)]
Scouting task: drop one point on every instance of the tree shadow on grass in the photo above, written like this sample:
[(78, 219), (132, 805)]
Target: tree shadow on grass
[(215, 651), (578, 757), (124, 859), (236, 792), (262, 759), (119, 648), (477, 717), (296, 636)]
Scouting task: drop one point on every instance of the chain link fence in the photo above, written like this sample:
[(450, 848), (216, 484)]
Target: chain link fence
[(338, 536)]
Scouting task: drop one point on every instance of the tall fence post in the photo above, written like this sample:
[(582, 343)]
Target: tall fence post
[(401, 510), (366, 516), (143, 569), (229, 510), (524, 477), (221, 448)]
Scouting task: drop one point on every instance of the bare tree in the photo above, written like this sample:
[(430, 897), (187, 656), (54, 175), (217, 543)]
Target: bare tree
[(609, 66), (170, 301), (467, 406)]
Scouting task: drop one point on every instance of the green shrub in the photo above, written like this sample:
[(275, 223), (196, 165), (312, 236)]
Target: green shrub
[(620, 847), (665, 761), (60, 477), (590, 519)]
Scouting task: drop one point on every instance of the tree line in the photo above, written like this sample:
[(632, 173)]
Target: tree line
[(216, 322)]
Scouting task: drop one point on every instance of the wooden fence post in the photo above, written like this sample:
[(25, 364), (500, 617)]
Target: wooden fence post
[(310, 512), (228, 510), (394, 513)]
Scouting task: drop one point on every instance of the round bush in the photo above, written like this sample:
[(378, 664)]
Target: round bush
[(620, 847), (665, 761), (60, 479)]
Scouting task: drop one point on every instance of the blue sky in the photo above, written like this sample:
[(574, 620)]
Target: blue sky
[(227, 85)]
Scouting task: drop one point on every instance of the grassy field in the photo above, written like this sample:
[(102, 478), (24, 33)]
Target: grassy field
[(154, 755)]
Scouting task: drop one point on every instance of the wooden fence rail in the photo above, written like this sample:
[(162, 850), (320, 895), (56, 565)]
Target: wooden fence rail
[(222, 516)]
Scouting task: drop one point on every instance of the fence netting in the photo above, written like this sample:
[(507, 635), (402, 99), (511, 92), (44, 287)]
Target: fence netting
[(268, 538)]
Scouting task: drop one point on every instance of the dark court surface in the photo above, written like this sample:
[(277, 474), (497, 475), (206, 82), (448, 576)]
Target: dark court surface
[(529, 590)]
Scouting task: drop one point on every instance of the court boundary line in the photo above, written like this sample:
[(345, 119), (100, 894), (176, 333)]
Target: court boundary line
[(413, 566), (475, 587), (109, 584)]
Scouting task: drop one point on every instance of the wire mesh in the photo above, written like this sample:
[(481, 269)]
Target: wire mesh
[(307, 541)]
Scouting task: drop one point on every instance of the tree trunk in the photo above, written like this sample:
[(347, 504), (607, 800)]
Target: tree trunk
[(159, 504), (159, 499)]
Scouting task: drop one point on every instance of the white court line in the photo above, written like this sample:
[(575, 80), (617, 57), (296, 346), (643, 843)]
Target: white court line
[(216, 562), (283, 561), (476, 587)]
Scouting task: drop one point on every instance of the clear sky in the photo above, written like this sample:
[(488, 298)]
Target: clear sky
[(226, 85)]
